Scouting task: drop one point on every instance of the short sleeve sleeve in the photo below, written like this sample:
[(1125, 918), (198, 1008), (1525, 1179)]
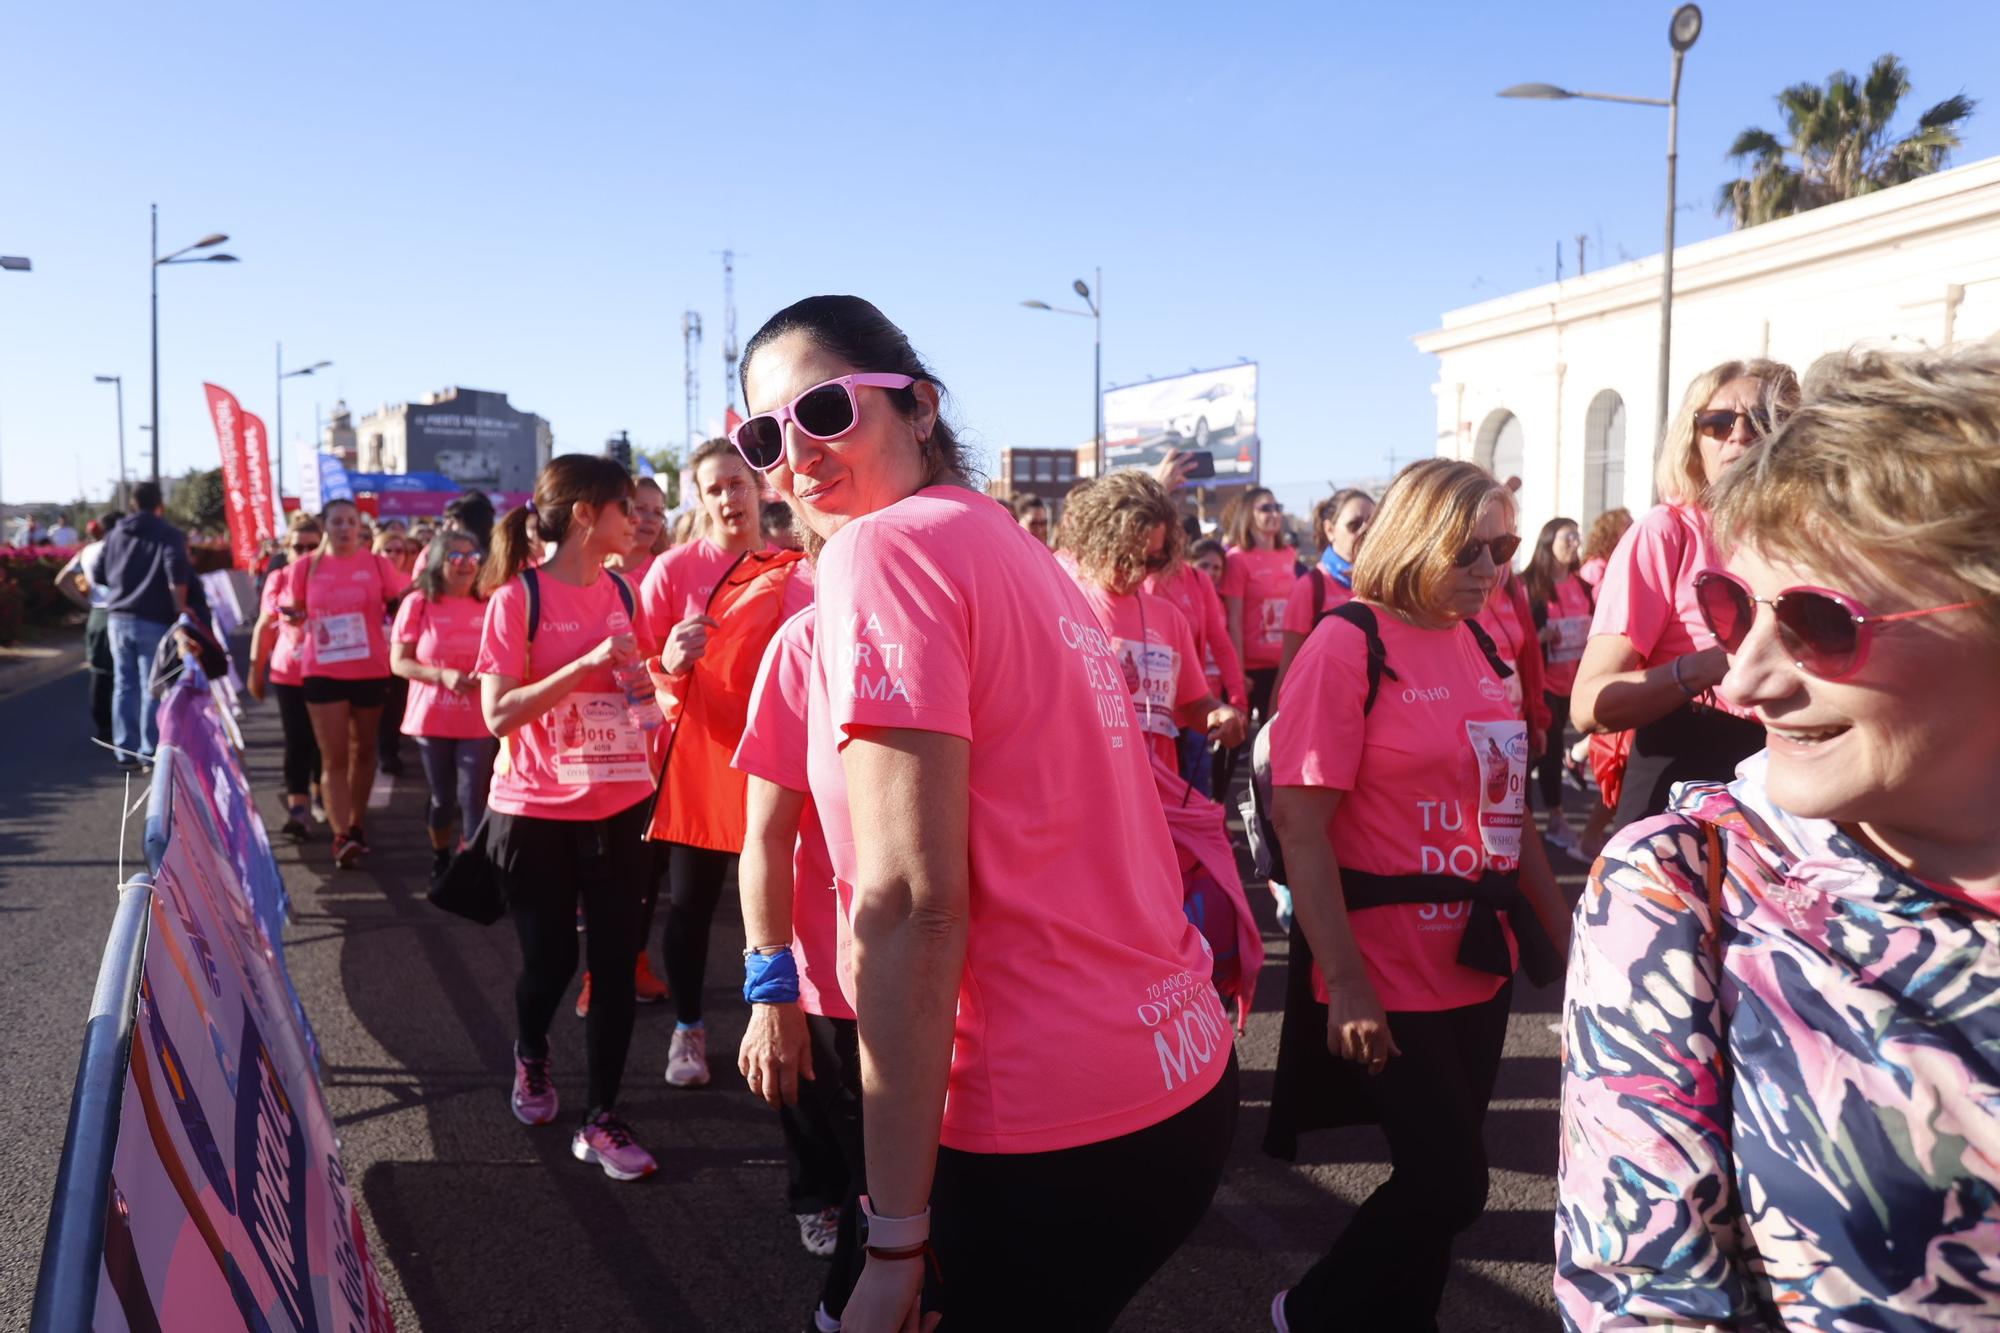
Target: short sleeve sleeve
[(1317, 731), (1193, 684), (1235, 575), (655, 597), (393, 579), (774, 732), (1636, 596), (272, 597), (503, 639), (1299, 604), (894, 635), (409, 626)]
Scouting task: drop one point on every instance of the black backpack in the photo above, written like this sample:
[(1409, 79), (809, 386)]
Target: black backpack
[(1266, 855)]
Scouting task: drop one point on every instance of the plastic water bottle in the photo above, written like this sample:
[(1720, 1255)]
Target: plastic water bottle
[(641, 706)]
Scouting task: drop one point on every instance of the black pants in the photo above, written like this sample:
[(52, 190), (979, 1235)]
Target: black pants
[(825, 1158), (696, 877), (1549, 768), (1262, 682), (1063, 1240), (301, 746), (1691, 744), (544, 866), (1387, 1271), (97, 654), (389, 731)]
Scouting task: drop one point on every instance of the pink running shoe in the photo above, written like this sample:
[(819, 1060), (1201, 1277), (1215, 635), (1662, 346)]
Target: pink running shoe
[(534, 1096), (607, 1141)]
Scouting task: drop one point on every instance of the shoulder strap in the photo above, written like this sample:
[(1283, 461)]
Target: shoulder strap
[(624, 593), (1362, 617), (1485, 642), (1319, 592), (1717, 869)]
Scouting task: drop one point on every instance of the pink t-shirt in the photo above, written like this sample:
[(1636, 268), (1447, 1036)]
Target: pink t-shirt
[(678, 585), (347, 612), (1193, 594), (1433, 780), (1570, 614), (1263, 579), (1156, 656), (1647, 593), (446, 634), (1592, 572), (774, 748), (583, 759), (635, 571), (1299, 613), (1086, 1009), (286, 666)]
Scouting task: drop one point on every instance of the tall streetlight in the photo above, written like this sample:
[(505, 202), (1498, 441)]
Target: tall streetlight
[(284, 375), (1681, 34), (1095, 314), (160, 261), (16, 264), (124, 484)]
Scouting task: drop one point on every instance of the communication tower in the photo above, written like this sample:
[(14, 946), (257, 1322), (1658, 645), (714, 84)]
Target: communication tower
[(690, 374), (729, 348)]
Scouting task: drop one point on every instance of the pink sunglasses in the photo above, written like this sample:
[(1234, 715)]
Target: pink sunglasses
[(1827, 633), (824, 412)]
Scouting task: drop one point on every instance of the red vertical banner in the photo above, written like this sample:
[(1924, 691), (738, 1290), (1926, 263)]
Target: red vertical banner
[(227, 414), (257, 455)]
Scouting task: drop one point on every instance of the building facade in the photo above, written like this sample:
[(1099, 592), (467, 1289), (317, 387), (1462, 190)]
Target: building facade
[(473, 436), (1558, 384)]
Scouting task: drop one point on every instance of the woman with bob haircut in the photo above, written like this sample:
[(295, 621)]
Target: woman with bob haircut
[(1419, 885), (1013, 893), (1650, 665), (1781, 1079)]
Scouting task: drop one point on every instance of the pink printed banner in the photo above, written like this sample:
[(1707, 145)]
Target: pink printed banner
[(227, 414)]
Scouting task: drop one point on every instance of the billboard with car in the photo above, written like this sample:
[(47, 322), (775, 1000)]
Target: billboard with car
[(1211, 412)]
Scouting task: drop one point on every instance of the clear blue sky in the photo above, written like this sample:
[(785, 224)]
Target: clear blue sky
[(526, 198)]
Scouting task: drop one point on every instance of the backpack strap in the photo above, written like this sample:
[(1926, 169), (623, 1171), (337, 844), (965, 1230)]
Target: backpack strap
[(1486, 645), (1362, 617), (624, 594), (1319, 591)]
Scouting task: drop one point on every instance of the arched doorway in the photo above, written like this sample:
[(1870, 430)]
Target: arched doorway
[(1501, 446), (1603, 454)]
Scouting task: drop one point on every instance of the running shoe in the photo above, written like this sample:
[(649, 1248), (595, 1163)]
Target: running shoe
[(607, 1141), (687, 1058), (1563, 838), (534, 1096), (318, 809), (1278, 1312), (1284, 898), (295, 824), (1575, 772), (583, 998), (358, 838), (819, 1232), (646, 987), (440, 862), (346, 851), (822, 1322)]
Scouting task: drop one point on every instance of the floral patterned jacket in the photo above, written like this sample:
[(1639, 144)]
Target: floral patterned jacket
[(1814, 1143)]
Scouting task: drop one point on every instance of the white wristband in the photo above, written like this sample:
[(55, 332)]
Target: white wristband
[(894, 1233)]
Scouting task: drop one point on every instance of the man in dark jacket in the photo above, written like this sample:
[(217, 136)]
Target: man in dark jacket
[(146, 576)]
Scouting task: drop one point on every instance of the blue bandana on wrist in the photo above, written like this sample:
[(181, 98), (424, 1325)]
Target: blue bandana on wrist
[(770, 978)]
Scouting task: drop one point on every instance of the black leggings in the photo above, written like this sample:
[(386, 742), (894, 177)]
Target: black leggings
[(1063, 1240), (695, 878), (824, 1154), (301, 747), (1694, 743), (1549, 768), (1262, 682), (1388, 1268), (544, 865)]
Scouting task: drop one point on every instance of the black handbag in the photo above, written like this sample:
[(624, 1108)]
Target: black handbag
[(470, 884)]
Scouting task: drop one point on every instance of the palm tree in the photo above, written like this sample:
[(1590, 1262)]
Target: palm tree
[(1840, 137)]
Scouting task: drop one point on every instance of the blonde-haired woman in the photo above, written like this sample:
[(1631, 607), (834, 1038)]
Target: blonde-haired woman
[(1781, 1084), (1398, 766), (1650, 665)]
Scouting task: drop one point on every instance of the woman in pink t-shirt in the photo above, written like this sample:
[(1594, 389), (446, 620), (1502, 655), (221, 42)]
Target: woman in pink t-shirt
[(1418, 881), (1339, 521), (1118, 530), (275, 652), (1560, 603), (1651, 666), (649, 533), (434, 645), (1257, 579), (341, 596), (567, 810), (1039, 1034)]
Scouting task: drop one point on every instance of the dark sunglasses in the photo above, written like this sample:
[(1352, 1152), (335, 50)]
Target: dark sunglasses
[(303, 547), (1270, 509), (1500, 548), (462, 557), (1721, 423), (1826, 633), (825, 412)]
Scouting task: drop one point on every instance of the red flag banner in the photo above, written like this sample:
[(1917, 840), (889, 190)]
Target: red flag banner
[(258, 455), (227, 414)]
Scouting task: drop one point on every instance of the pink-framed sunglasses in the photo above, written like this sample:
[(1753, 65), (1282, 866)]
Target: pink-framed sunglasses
[(1827, 633), (825, 412)]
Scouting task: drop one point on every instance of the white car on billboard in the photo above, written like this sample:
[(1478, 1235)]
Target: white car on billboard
[(1218, 409)]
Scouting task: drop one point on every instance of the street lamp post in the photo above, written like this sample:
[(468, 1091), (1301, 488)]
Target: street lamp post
[(1681, 35), (160, 261), (284, 375), (124, 482), (1095, 314), (16, 264)]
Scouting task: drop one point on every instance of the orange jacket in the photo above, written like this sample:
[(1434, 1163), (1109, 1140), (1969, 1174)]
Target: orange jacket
[(700, 797)]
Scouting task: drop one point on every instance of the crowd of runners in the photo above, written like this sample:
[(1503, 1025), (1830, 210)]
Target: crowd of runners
[(966, 767)]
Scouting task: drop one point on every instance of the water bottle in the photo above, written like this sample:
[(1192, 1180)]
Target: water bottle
[(641, 706)]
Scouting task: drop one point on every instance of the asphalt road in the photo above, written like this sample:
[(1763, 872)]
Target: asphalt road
[(478, 1223)]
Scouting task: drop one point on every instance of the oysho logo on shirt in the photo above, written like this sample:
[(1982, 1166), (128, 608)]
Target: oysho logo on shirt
[(562, 626), (1419, 694)]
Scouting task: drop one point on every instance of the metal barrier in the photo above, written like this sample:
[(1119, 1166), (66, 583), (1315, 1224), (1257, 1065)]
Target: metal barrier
[(73, 1250)]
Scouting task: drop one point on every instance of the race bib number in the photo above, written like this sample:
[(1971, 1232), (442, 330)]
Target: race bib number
[(595, 741), (340, 638), (1150, 674), (1500, 749), (1272, 627), (1571, 634)]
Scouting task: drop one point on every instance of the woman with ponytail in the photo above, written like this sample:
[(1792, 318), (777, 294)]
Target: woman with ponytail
[(568, 803)]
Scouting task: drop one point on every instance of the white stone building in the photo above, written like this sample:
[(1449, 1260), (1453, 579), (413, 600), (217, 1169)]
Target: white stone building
[(1557, 384)]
